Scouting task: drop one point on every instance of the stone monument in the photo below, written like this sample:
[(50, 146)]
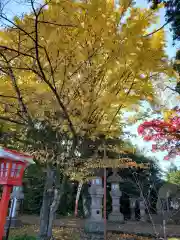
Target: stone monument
[(115, 215), (168, 204)]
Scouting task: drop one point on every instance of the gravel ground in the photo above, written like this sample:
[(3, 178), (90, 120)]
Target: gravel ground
[(71, 234), (131, 227)]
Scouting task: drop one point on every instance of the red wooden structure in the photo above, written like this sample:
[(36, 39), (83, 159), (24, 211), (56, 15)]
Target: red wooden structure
[(12, 166)]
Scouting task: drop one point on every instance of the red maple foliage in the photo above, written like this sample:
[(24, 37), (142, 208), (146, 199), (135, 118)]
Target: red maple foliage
[(165, 134)]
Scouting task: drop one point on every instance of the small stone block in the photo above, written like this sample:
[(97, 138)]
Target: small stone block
[(91, 236), (116, 217), (94, 227)]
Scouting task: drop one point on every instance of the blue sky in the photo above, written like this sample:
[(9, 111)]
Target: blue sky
[(13, 8)]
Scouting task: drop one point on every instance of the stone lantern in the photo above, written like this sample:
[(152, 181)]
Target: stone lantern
[(142, 207), (96, 193), (16, 197), (94, 226), (115, 215), (132, 207)]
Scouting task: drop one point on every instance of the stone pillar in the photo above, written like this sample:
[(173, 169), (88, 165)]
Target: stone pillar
[(115, 215), (16, 197), (132, 207), (142, 209), (96, 192), (167, 201), (94, 226)]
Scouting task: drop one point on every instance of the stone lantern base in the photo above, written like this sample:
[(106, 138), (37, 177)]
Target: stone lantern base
[(116, 217), (93, 230), (91, 236)]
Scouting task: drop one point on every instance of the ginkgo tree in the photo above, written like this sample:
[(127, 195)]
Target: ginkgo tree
[(77, 65), (78, 62)]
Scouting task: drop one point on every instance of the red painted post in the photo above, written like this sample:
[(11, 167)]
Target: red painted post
[(4, 208), (105, 198), (77, 198)]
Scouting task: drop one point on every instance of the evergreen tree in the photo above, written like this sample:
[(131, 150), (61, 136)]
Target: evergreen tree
[(33, 189)]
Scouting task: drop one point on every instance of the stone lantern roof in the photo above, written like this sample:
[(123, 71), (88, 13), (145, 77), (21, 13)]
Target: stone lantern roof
[(115, 178)]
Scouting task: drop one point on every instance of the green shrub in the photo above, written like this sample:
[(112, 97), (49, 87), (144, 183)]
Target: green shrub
[(23, 237)]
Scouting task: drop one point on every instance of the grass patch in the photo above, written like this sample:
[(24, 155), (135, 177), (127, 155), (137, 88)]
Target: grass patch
[(23, 237), (173, 238)]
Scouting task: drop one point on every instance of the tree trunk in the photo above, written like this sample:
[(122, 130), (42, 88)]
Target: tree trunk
[(58, 193), (46, 205), (86, 201), (53, 209)]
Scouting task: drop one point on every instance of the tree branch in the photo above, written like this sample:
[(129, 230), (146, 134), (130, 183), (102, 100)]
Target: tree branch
[(44, 76), (157, 30), (174, 90), (16, 88), (11, 120), (6, 96), (51, 68), (119, 108), (58, 24), (16, 51), (18, 27)]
